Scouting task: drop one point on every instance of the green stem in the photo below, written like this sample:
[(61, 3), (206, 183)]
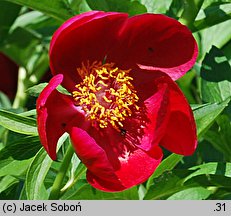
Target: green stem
[(21, 97), (191, 9), (56, 188), (73, 180), (26, 80)]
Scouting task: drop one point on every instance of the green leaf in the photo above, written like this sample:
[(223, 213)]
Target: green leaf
[(36, 174), (223, 169), (10, 193), (22, 148), (36, 29), (217, 35), (6, 182), (220, 136), (8, 14), (176, 9), (216, 77), (194, 193), (186, 85), (213, 15), (156, 6), (13, 167), (98, 5), (4, 101), (166, 165), (59, 9), (205, 152), (227, 51), (189, 14), (28, 49), (135, 8), (141, 191), (221, 194), (127, 6), (20, 45), (215, 139), (22, 195), (79, 6), (197, 106), (28, 113), (167, 184), (208, 3), (176, 183), (27, 44), (212, 175), (17, 123), (219, 181), (36, 89), (207, 114), (38, 23), (35, 178), (87, 192)]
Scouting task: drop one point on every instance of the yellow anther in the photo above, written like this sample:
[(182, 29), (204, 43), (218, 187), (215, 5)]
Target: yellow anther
[(98, 88), (103, 77), (107, 100), (102, 83), (106, 94), (120, 124), (102, 112)]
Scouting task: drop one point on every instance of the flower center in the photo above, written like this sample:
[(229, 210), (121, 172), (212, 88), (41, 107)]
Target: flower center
[(106, 94)]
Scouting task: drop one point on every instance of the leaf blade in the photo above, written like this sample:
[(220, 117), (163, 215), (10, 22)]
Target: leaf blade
[(58, 9), (17, 123)]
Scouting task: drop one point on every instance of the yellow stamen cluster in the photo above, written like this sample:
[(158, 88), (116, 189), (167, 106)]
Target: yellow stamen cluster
[(106, 94)]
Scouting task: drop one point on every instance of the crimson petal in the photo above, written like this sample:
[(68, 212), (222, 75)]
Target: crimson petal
[(137, 169), (180, 135), (86, 37), (94, 157), (155, 42), (148, 125), (108, 170), (55, 112)]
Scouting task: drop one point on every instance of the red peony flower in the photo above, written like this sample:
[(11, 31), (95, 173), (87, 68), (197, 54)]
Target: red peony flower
[(123, 104), (9, 76)]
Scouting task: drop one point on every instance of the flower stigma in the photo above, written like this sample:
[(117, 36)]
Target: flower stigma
[(106, 94)]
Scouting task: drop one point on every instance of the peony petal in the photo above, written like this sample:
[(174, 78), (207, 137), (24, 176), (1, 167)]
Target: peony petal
[(134, 170), (148, 125), (180, 136), (55, 113), (155, 42), (163, 103), (157, 108), (95, 158), (83, 38), (108, 170)]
